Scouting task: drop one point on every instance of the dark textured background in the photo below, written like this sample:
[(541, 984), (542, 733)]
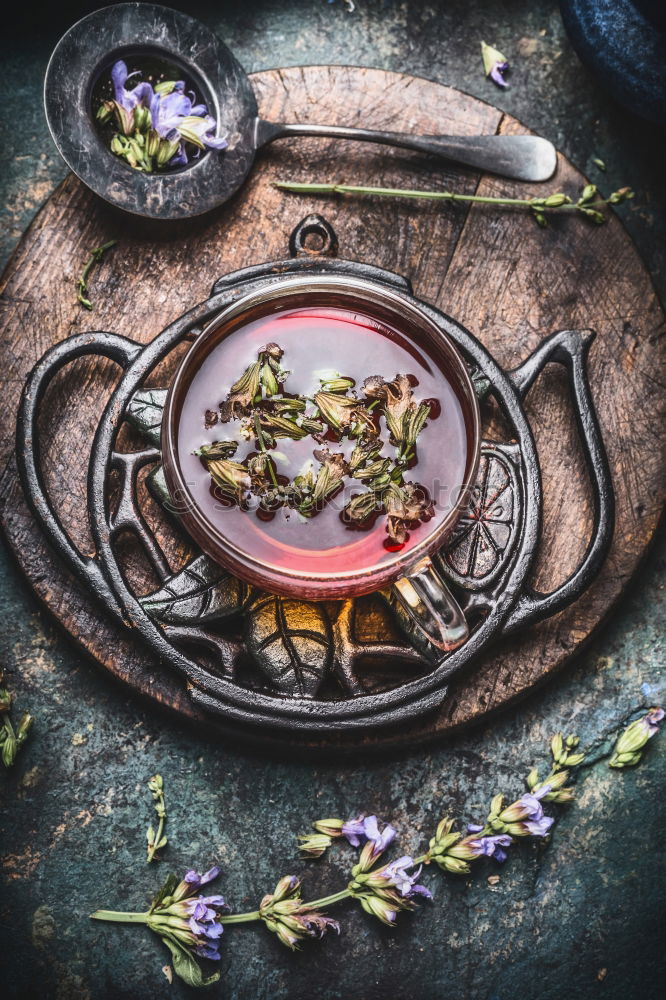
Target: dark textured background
[(76, 806)]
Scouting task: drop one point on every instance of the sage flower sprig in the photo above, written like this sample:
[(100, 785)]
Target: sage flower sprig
[(191, 925), (628, 750), (284, 912), (11, 739), (588, 204), (157, 838)]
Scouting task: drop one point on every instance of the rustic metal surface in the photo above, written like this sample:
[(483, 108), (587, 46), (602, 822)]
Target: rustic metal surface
[(581, 917)]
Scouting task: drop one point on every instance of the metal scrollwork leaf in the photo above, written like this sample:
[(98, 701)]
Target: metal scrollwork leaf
[(201, 592), (291, 641), (144, 412)]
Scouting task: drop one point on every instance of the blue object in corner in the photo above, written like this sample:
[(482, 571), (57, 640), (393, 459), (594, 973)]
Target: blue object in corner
[(624, 43)]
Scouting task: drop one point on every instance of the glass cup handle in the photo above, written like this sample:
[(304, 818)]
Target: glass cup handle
[(431, 606)]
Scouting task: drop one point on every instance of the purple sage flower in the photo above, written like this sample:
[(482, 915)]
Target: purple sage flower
[(492, 847), (395, 875), (176, 121), (653, 718), (129, 99), (495, 65), (366, 828), (193, 920)]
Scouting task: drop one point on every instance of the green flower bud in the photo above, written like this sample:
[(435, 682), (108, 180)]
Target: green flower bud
[(532, 779), (314, 844), (597, 217), (9, 747), (152, 142), (556, 747), (332, 827), (165, 87), (165, 151), (624, 194), (633, 739), (339, 384), (454, 865), (104, 111), (142, 120), (557, 200), (24, 727), (118, 145), (587, 194), (541, 220), (269, 381)]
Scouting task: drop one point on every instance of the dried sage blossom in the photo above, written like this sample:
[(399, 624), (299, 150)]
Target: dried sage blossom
[(265, 413)]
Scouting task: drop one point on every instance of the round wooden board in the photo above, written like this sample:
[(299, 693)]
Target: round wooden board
[(508, 281)]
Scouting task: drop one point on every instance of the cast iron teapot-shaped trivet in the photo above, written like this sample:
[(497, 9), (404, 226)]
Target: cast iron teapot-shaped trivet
[(276, 662)]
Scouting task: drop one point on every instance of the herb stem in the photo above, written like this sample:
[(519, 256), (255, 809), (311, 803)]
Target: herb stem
[(240, 918), (336, 897), (395, 193), (555, 202), (245, 918), (95, 256), (118, 917)]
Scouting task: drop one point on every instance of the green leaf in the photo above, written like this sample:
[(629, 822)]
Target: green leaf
[(144, 412), (201, 592), (150, 835), (168, 889), (185, 965)]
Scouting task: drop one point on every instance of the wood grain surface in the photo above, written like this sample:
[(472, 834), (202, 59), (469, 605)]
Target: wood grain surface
[(494, 270)]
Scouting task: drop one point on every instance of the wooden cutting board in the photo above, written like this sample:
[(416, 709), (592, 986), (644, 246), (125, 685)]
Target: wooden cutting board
[(494, 270)]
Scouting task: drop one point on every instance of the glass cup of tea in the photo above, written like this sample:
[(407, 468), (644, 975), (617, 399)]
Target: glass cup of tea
[(326, 324)]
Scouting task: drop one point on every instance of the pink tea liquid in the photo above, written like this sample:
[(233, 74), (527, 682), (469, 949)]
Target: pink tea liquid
[(316, 342)]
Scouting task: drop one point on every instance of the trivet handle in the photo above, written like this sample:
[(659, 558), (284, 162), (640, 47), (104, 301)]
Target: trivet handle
[(111, 346), (570, 348)]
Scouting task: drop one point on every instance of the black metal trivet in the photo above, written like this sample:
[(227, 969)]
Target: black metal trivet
[(261, 660)]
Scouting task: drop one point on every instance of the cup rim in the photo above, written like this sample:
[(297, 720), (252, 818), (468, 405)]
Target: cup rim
[(277, 579)]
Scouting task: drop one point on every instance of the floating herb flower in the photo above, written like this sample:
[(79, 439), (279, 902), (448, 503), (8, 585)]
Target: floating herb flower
[(495, 65), (404, 418), (336, 410), (265, 412), (232, 477), (217, 450), (159, 127), (405, 506)]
